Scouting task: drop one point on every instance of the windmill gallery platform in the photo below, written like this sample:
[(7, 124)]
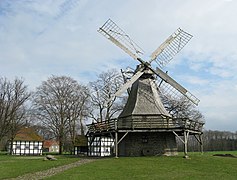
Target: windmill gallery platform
[(145, 127), (136, 138)]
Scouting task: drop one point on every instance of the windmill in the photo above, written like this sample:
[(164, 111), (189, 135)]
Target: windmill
[(144, 127)]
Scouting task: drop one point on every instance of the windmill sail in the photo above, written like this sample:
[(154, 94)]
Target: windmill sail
[(126, 85), (168, 49), (115, 34), (173, 86)]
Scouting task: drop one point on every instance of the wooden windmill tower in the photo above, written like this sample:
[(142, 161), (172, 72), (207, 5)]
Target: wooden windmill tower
[(145, 127)]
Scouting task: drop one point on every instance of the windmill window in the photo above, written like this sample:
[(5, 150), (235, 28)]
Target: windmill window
[(144, 139)]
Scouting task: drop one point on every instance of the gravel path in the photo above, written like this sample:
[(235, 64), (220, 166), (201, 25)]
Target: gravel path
[(52, 171)]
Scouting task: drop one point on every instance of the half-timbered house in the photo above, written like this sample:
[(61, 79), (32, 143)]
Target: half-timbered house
[(51, 146), (26, 142)]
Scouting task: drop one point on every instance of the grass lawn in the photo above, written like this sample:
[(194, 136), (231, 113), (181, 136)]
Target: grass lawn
[(13, 166), (197, 167)]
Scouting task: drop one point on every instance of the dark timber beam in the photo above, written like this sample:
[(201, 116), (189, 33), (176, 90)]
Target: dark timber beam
[(117, 141)]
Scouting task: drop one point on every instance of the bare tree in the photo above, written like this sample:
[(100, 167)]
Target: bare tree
[(77, 113), (181, 108), (84, 108), (105, 107), (43, 131), (58, 103), (13, 98)]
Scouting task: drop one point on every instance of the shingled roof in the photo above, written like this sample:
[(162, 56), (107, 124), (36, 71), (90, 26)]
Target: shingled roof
[(27, 134), (144, 99)]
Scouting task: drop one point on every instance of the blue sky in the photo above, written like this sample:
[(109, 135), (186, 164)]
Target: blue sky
[(39, 38)]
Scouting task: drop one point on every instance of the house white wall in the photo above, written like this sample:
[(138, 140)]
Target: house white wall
[(26, 148), (54, 148), (101, 146)]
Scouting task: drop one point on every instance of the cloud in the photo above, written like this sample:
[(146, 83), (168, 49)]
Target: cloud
[(41, 38), (196, 80), (219, 105)]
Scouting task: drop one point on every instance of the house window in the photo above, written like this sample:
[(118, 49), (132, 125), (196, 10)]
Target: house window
[(36, 147)]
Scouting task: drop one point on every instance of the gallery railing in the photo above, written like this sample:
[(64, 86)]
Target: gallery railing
[(150, 123)]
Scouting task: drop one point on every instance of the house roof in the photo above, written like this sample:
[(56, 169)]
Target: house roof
[(27, 134), (48, 143)]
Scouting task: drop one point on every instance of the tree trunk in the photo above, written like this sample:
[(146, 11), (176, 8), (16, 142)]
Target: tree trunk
[(82, 129), (60, 146), (11, 146)]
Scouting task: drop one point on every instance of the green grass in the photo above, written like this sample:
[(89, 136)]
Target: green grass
[(197, 167), (13, 166)]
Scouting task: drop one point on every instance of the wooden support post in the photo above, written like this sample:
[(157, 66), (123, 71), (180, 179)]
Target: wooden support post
[(116, 144), (201, 143), (185, 144), (186, 134), (116, 139), (200, 140)]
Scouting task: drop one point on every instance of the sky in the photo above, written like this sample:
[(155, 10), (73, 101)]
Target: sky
[(40, 38)]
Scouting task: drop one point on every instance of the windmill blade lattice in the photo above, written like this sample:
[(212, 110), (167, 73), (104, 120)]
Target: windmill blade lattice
[(115, 34), (167, 50), (167, 89)]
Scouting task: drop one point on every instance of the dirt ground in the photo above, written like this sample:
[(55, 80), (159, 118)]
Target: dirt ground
[(52, 171)]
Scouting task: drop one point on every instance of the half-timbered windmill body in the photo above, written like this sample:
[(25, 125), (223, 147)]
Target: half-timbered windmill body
[(144, 127)]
